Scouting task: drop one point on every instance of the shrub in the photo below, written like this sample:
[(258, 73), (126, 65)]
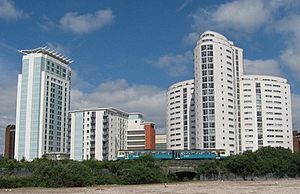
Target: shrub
[(209, 169), (77, 175), (47, 173), (14, 182)]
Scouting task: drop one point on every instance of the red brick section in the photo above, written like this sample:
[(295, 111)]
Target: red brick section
[(9, 150), (149, 136), (296, 141)]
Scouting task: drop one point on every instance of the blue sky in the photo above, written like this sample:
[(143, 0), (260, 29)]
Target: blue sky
[(127, 53)]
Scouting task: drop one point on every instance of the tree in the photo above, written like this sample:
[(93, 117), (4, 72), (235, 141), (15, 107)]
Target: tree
[(209, 169), (78, 175), (243, 165)]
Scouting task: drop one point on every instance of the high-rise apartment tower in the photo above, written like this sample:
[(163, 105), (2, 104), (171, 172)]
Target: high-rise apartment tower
[(218, 66), (42, 104)]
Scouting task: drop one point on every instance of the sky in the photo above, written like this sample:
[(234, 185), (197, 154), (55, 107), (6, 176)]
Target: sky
[(127, 53)]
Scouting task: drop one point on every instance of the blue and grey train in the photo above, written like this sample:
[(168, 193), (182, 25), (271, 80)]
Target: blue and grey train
[(217, 154)]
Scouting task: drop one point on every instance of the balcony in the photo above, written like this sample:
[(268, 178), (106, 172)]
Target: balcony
[(105, 139)]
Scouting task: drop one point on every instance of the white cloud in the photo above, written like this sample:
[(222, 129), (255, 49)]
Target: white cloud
[(147, 99), (7, 47), (263, 67), (78, 83), (8, 93), (8, 87), (291, 57), (175, 65), (80, 24), (242, 16), (8, 11), (289, 24), (47, 24), (191, 38), (237, 17), (296, 111), (58, 47), (290, 28)]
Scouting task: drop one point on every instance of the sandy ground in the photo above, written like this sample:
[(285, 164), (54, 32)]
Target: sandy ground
[(289, 186)]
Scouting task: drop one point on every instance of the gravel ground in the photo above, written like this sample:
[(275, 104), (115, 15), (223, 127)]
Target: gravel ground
[(289, 186)]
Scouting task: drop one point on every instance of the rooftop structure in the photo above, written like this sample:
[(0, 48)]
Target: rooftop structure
[(98, 109), (47, 51)]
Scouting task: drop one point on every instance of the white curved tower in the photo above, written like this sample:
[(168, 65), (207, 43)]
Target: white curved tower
[(218, 65), (266, 117), (180, 116)]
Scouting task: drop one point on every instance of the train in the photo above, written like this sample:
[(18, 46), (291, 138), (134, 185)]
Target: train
[(208, 154)]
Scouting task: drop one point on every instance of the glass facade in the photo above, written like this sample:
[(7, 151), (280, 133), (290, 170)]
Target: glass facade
[(35, 107), (78, 137), (208, 104), (23, 108), (259, 115), (43, 97)]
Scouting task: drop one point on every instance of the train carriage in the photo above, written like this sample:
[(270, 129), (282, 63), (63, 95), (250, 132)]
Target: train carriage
[(173, 154), (197, 155), (135, 154)]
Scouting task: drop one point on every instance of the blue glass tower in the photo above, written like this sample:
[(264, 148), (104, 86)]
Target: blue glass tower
[(43, 102)]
